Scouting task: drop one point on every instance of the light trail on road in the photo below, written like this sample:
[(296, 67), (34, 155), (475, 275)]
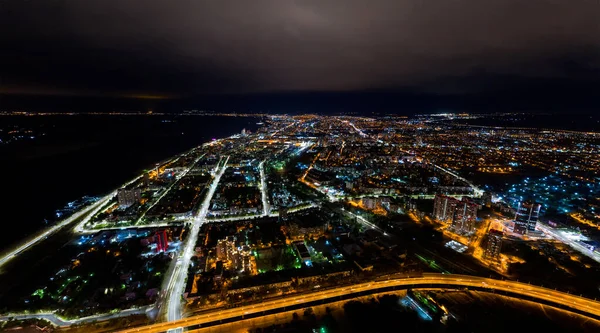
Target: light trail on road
[(591, 307), (286, 127), (310, 167), (176, 285), (255, 216), (364, 222), (143, 226), (572, 243), (360, 132), (263, 189), (477, 190)]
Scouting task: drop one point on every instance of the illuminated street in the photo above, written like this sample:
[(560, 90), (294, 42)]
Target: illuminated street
[(87, 213), (177, 280), (38, 238), (166, 191), (263, 189), (428, 280), (572, 243), (248, 167), (363, 221), (323, 198)]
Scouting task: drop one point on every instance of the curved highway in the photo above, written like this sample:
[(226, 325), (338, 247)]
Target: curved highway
[(566, 301)]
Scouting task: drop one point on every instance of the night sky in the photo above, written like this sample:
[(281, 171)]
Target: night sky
[(493, 54)]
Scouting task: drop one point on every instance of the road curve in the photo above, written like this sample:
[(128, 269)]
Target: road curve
[(518, 289), (89, 211)]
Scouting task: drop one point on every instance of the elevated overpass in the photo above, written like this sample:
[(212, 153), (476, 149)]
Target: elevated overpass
[(565, 301)]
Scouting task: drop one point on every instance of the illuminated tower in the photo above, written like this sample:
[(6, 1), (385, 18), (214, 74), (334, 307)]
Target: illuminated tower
[(226, 248), (465, 216), (444, 208), (162, 244), (494, 245), (527, 216), (222, 249)]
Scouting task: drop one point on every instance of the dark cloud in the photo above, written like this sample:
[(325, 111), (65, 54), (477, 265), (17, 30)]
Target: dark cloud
[(183, 48)]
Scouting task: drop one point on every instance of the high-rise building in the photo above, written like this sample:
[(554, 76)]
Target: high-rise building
[(465, 216), (237, 258), (242, 259), (246, 262), (127, 198), (226, 248), (526, 217), (494, 245), (460, 213), (162, 243), (222, 249), (444, 208)]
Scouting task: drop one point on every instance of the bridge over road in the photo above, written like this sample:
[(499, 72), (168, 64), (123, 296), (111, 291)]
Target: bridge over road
[(577, 304)]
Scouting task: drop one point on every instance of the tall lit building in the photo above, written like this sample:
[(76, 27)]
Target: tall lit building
[(494, 245), (222, 249), (465, 216), (526, 217), (460, 213), (444, 208), (236, 258), (127, 198), (226, 248), (162, 243), (242, 259), (246, 262)]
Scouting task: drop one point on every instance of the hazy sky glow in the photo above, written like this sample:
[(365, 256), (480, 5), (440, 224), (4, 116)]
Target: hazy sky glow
[(181, 48)]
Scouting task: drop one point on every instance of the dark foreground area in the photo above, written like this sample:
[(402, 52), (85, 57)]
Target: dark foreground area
[(469, 312)]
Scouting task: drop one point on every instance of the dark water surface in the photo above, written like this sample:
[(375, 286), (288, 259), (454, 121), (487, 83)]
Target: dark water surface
[(571, 122), (89, 155)]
